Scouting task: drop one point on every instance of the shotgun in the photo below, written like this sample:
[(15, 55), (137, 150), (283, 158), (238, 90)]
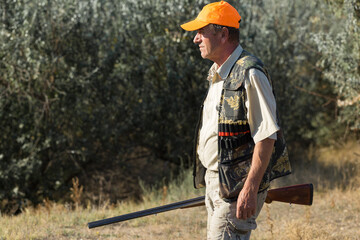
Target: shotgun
[(296, 194)]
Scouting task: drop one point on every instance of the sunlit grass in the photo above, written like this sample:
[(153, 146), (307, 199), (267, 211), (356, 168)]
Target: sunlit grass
[(335, 213)]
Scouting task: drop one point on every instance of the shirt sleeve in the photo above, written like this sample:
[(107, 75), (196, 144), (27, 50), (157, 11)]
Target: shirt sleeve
[(261, 106)]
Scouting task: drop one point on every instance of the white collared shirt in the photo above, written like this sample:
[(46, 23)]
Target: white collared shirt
[(260, 104)]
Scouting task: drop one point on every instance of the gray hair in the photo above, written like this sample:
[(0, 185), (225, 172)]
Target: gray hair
[(233, 32)]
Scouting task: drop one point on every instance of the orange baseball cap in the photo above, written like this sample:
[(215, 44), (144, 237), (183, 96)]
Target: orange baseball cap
[(221, 13)]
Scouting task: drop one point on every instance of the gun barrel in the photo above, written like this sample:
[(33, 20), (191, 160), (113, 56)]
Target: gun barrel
[(183, 204), (297, 194)]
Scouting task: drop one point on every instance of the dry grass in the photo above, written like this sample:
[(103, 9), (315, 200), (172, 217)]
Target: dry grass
[(335, 213)]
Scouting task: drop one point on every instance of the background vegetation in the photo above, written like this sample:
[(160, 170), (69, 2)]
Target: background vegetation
[(108, 91), (277, 221)]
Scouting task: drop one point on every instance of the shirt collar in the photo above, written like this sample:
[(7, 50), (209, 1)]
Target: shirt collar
[(217, 73), (225, 68)]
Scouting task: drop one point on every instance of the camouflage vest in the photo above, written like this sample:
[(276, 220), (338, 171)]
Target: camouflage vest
[(235, 144)]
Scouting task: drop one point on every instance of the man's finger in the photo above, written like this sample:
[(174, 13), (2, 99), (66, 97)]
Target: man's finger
[(238, 214), (245, 215), (249, 214), (241, 213)]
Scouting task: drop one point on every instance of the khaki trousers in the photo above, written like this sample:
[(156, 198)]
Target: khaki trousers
[(222, 222)]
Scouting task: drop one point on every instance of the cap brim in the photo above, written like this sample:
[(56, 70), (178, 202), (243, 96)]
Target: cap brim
[(194, 25)]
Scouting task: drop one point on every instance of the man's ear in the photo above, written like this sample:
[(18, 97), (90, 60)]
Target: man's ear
[(224, 34)]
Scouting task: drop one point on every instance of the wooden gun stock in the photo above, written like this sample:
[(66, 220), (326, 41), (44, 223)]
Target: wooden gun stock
[(297, 194)]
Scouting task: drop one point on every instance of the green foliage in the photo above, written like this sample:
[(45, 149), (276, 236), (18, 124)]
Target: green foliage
[(279, 32), (87, 85), (340, 60), (90, 85)]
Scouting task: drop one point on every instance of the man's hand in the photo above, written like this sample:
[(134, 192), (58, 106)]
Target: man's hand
[(246, 204), (247, 199)]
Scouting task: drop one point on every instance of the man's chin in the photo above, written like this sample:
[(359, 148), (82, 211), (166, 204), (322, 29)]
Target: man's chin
[(204, 56)]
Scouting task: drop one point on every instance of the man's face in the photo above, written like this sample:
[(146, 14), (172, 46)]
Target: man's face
[(209, 42)]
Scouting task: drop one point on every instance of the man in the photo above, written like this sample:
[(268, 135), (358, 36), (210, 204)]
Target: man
[(235, 154)]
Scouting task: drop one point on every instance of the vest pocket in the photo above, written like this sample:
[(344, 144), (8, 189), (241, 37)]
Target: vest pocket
[(232, 176), (233, 104)]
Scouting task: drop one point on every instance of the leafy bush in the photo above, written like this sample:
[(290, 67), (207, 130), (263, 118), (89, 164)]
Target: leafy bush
[(87, 85), (340, 60), (280, 33), (90, 86)]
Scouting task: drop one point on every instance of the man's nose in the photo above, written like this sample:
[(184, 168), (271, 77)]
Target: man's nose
[(197, 38)]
